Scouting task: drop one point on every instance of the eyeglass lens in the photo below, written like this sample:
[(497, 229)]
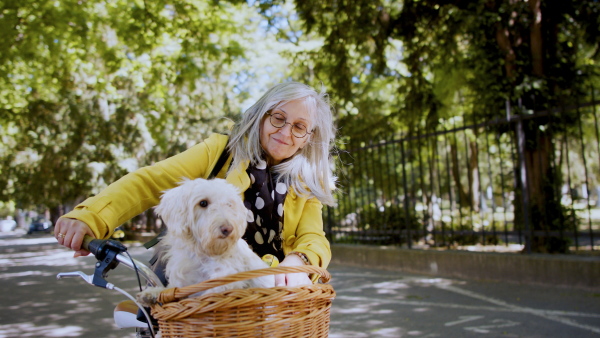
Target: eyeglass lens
[(279, 121)]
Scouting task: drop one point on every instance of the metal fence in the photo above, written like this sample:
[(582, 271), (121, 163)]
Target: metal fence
[(464, 186)]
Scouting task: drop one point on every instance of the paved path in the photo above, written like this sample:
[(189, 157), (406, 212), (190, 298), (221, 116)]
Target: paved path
[(369, 303), (375, 303)]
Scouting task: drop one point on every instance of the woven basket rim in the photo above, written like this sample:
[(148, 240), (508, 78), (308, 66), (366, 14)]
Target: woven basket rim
[(281, 311), (175, 294), (252, 297)]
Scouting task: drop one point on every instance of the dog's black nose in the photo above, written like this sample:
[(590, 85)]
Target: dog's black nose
[(226, 230)]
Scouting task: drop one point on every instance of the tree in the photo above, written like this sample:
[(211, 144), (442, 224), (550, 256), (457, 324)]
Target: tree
[(91, 90), (535, 60), (405, 65)]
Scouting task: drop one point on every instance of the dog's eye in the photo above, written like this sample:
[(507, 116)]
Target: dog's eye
[(203, 203)]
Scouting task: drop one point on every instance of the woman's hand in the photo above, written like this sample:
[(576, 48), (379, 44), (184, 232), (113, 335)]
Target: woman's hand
[(292, 279), (69, 232)]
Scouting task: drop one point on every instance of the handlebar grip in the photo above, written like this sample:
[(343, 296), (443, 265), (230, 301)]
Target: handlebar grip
[(86, 242), (96, 246), (101, 247)]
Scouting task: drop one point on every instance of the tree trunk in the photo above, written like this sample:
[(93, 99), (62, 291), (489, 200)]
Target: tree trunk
[(545, 210), (474, 190), (55, 213), (535, 34), (469, 196), (510, 59), (151, 224), (463, 196)]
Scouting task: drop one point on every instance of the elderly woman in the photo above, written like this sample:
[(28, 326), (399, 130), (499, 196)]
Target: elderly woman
[(279, 161)]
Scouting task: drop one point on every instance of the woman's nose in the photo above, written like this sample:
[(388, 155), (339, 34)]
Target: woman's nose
[(285, 130)]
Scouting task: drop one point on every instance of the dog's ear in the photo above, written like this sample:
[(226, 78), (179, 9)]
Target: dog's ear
[(172, 207)]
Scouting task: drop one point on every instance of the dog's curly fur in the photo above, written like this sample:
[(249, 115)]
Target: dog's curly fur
[(206, 220)]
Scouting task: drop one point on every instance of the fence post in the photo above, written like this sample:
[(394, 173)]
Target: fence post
[(406, 205), (598, 144), (522, 175)]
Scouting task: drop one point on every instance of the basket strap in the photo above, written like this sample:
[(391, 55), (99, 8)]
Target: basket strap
[(174, 294)]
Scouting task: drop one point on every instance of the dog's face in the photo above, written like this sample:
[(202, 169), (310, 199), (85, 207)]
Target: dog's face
[(209, 214)]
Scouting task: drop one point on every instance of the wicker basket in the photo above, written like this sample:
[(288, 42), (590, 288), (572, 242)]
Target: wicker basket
[(260, 312)]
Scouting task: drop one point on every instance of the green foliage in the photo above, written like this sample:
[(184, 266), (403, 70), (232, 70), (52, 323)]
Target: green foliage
[(372, 224), (6, 209), (393, 221), (409, 66), (90, 90), (400, 64)]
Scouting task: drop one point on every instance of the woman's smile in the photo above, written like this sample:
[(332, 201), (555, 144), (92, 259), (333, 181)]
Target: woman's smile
[(280, 141)]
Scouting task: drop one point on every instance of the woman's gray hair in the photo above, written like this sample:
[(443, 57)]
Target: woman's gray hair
[(309, 171)]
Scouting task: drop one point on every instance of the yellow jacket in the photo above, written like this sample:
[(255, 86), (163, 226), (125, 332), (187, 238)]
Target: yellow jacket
[(141, 189)]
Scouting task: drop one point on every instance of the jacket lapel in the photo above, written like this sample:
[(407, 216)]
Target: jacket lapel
[(239, 177)]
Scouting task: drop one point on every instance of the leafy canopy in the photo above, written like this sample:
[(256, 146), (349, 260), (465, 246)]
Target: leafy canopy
[(90, 90)]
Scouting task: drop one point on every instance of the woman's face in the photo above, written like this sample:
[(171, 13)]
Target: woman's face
[(279, 143)]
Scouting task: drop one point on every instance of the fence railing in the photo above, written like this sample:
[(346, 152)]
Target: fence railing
[(476, 186)]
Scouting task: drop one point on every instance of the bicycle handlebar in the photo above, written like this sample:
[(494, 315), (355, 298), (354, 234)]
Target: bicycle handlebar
[(86, 243), (109, 254), (100, 248)]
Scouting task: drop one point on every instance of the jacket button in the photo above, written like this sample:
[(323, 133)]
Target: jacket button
[(290, 240)]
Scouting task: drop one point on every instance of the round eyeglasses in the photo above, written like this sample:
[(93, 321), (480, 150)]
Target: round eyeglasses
[(279, 121)]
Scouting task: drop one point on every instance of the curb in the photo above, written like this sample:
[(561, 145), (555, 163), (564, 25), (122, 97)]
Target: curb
[(549, 270)]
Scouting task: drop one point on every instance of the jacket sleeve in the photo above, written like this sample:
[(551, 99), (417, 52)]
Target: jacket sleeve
[(139, 190), (309, 237)]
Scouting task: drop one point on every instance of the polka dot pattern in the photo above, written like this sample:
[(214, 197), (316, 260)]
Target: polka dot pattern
[(281, 188), (258, 238), (262, 165), (260, 203), (264, 200)]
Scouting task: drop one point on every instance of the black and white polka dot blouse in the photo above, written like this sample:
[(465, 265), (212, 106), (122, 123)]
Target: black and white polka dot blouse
[(264, 201)]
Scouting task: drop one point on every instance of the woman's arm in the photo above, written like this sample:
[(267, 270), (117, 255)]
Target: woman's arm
[(303, 235), (140, 190)]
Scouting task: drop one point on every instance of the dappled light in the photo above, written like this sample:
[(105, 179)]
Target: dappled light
[(359, 311), (436, 281), (22, 274), (58, 308), (55, 257), (358, 303), (414, 333), (369, 302), (31, 330)]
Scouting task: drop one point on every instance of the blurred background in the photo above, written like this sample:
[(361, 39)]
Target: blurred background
[(461, 124)]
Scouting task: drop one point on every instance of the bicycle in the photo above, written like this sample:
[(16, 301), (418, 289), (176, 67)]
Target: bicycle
[(279, 311), (110, 254)]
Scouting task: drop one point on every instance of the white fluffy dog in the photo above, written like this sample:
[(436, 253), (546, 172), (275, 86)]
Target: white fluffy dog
[(206, 220)]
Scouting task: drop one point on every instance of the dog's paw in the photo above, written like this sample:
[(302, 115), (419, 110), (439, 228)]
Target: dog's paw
[(149, 296)]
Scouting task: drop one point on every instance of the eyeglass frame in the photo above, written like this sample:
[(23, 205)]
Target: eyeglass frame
[(284, 123)]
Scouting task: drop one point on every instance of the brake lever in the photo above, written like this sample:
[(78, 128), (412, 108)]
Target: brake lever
[(87, 278), (106, 252)]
